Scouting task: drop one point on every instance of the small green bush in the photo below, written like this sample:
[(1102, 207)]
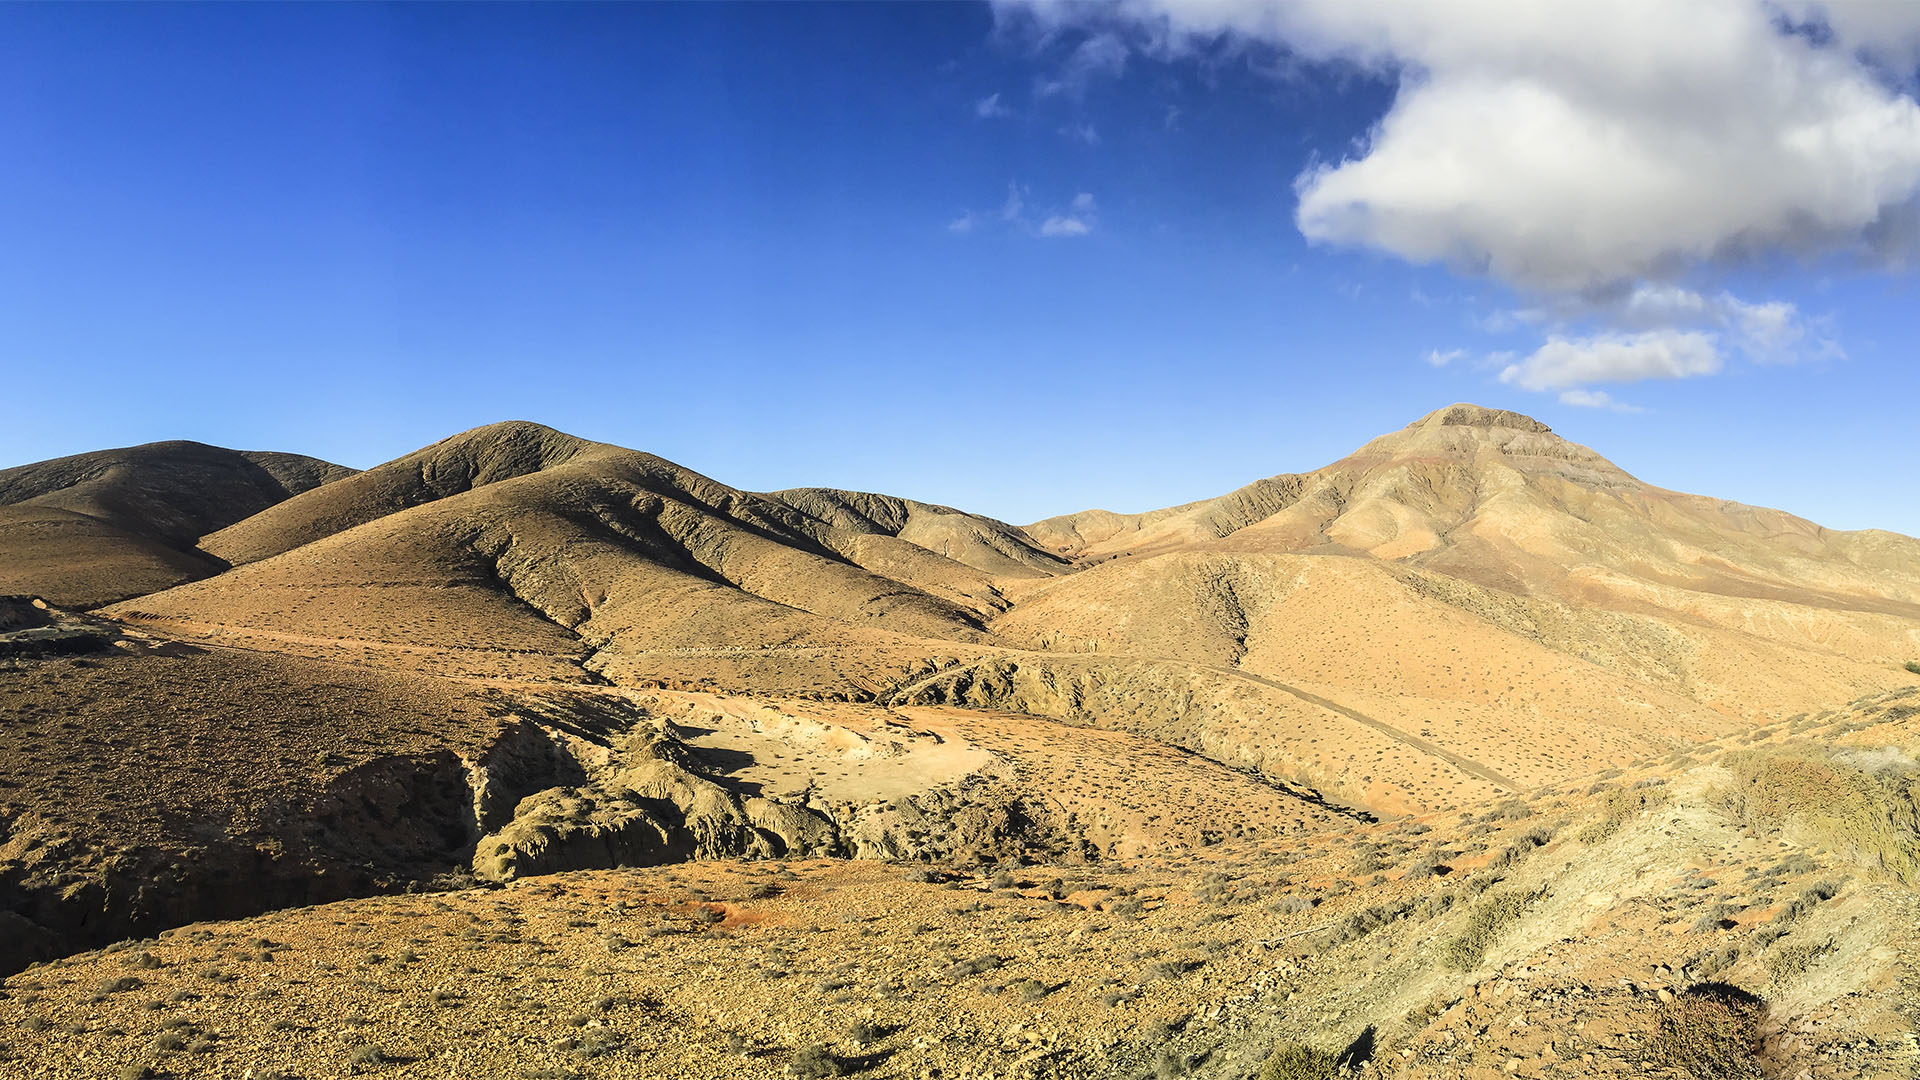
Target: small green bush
[(1914, 666), (1292, 1061)]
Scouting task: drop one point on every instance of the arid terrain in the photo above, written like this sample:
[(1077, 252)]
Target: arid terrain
[(1467, 755)]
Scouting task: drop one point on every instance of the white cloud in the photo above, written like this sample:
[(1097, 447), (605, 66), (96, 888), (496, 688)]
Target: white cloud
[(989, 107), (1015, 205), (1082, 133), (1770, 331), (1577, 144), (1436, 358), (1077, 218), (1595, 399), (1565, 363), (1099, 55)]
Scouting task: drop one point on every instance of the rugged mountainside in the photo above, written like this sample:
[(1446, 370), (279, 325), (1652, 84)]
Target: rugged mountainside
[(1469, 605), (516, 532), (1471, 709), (990, 546), (1479, 529), (94, 528)]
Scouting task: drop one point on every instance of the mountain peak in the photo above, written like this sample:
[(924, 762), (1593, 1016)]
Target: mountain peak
[(1466, 414)]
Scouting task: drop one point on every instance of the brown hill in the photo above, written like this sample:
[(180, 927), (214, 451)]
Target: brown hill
[(103, 526), (1478, 531), (1149, 772), (522, 537), (990, 546)]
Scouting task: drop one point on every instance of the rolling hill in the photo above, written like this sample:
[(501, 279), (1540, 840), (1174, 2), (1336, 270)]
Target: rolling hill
[(98, 527)]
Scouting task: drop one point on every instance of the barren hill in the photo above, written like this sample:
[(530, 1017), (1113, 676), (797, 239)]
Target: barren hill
[(1481, 533), (103, 526), (518, 535), (990, 546)]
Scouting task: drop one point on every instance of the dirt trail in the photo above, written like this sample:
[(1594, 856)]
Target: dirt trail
[(1466, 765)]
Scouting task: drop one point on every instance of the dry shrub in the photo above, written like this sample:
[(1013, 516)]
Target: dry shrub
[(1864, 804), (1617, 808), (1292, 1061), (1710, 1031), (1790, 961), (1485, 923)]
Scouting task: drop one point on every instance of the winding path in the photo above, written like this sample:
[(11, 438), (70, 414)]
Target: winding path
[(1466, 765)]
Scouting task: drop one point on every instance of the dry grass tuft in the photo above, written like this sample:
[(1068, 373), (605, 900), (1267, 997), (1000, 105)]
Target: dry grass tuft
[(1293, 1061)]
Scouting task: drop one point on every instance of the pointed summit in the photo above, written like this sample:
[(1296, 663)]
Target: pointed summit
[(1465, 433)]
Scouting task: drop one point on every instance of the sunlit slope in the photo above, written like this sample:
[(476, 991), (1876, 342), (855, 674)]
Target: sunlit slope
[(522, 537), (1488, 513)]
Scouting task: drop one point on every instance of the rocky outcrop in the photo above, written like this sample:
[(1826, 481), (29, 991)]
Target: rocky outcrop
[(645, 798)]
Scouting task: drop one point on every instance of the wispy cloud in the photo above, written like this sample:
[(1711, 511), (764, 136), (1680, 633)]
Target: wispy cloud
[(1436, 358), (1098, 55), (1077, 218), (1656, 331), (1084, 134), (989, 107), (1596, 399)]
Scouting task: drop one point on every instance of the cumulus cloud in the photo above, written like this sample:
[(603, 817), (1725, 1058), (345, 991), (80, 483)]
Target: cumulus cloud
[(1573, 145), (1565, 363)]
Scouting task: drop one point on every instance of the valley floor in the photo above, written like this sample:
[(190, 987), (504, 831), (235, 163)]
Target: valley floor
[(1603, 931)]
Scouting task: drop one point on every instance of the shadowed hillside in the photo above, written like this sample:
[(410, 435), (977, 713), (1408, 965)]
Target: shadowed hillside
[(94, 528)]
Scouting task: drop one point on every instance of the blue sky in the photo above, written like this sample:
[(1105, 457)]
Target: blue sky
[(1015, 259)]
